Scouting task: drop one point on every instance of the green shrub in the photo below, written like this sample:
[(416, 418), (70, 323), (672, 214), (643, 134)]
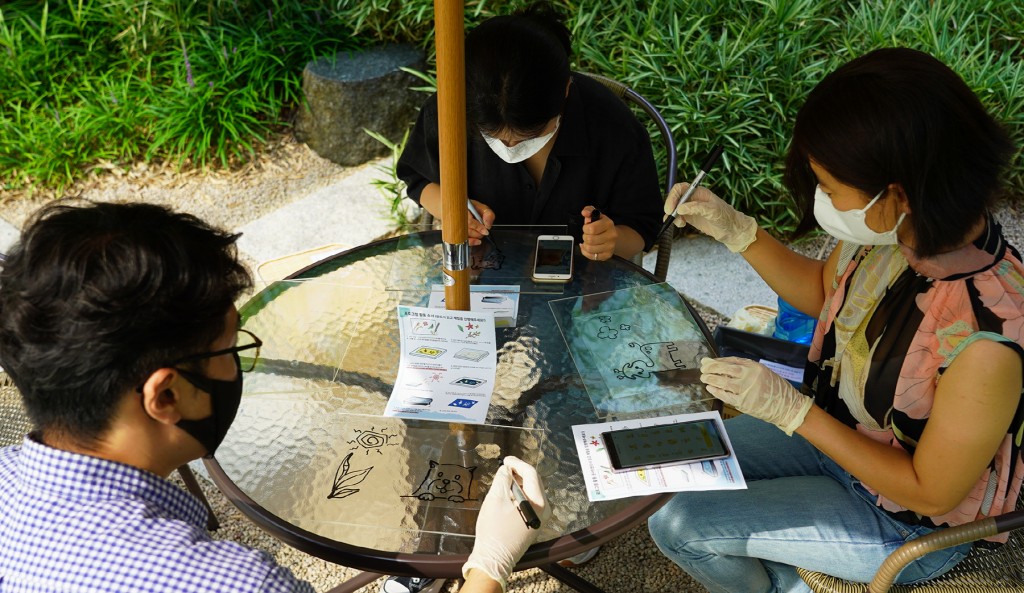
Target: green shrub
[(87, 84), (94, 84)]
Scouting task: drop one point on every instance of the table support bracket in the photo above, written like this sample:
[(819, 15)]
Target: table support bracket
[(574, 581), (455, 256)]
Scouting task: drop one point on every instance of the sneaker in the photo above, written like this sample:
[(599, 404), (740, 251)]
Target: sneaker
[(581, 558), (411, 585)]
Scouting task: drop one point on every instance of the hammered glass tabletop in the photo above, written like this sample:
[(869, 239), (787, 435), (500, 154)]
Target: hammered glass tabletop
[(311, 447)]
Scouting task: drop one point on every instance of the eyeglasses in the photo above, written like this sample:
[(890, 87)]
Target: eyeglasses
[(248, 340)]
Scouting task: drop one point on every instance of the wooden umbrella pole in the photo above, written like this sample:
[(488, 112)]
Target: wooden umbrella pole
[(451, 130)]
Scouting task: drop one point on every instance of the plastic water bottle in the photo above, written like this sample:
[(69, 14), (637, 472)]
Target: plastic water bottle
[(792, 325)]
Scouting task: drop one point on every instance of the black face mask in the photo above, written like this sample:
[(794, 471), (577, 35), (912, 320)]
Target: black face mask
[(225, 397)]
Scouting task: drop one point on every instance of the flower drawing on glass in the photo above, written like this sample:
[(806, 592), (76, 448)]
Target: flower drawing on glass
[(345, 477)]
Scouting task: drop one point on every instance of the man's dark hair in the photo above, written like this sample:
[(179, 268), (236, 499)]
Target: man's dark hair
[(94, 298), (517, 68), (898, 115)]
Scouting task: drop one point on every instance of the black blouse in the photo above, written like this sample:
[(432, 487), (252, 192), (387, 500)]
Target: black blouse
[(602, 157)]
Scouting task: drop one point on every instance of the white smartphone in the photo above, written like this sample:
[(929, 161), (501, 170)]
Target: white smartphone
[(553, 260)]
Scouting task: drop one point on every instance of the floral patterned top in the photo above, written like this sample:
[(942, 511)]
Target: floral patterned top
[(892, 324)]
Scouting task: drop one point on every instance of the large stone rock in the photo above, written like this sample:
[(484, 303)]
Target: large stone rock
[(352, 91)]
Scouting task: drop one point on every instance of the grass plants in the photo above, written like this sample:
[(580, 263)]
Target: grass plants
[(91, 85)]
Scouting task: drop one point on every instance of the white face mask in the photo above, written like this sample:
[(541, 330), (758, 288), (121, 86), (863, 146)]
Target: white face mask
[(522, 150), (850, 225)]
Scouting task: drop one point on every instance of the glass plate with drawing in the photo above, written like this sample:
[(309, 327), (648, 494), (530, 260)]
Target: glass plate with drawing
[(389, 483), (637, 350)]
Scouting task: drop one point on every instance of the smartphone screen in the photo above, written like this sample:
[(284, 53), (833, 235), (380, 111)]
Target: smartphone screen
[(554, 257), (698, 440)]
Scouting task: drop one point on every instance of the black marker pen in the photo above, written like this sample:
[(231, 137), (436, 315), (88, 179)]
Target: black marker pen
[(708, 163), (526, 510)]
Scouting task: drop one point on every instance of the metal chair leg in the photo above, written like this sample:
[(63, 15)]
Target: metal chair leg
[(192, 484)]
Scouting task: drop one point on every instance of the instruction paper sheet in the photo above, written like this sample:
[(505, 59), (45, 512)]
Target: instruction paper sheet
[(446, 367), (606, 483)]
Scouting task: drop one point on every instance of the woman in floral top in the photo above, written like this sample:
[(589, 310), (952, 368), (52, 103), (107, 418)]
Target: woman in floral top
[(910, 414)]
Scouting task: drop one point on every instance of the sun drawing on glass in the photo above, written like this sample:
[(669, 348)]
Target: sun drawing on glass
[(372, 440)]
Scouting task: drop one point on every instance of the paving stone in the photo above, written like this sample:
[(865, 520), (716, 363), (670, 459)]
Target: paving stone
[(8, 235), (349, 212)]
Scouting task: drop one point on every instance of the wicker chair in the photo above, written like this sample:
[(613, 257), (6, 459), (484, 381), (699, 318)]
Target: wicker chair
[(631, 97), (1000, 569), (14, 423)]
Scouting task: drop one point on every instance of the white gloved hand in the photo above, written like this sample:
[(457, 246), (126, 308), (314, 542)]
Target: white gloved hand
[(502, 536), (754, 389), (712, 216)]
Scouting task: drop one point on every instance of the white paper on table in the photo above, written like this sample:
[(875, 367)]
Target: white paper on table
[(502, 299), (606, 483), (446, 367)]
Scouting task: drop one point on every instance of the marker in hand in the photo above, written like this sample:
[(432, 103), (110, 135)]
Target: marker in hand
[(480, 219), (708, 163), (526, 510)]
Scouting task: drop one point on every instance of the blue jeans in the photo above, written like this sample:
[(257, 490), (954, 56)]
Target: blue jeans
[(800, 509)]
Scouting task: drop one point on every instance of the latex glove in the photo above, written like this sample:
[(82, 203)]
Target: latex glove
[(712, 216), (502, 536), (754, 389), (599, 236)]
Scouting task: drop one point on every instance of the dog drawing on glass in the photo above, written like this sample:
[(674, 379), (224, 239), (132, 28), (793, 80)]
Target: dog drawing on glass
[(446, 481)]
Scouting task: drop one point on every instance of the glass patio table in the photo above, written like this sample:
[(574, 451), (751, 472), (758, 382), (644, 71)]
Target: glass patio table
[(311, 459)]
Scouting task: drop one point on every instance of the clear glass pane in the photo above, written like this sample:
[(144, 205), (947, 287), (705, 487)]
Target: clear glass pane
[(638, 350), (417, 262), (396, 481), (306, 327)]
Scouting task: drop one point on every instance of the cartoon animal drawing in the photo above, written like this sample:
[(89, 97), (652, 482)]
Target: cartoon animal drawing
[(492, 261), (446, 480), (633, 370), (658, 357)]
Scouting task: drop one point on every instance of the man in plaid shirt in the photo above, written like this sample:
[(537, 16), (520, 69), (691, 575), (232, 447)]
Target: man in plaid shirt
[(118, 326)]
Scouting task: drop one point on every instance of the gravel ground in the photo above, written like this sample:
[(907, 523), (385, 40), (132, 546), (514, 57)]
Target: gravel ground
[(286, 171)]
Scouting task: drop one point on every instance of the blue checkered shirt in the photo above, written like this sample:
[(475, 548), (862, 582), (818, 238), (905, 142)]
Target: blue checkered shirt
[(71, 522)]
